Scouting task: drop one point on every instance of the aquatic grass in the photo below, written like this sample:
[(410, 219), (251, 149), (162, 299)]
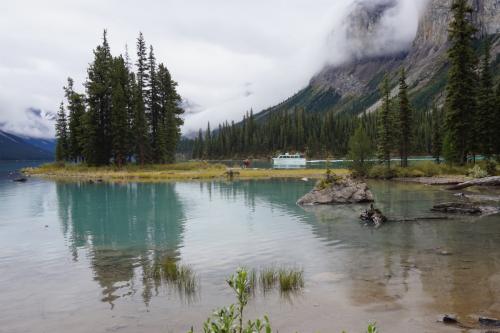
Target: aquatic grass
[(287, 279), (174, 274), (290, 280), (268, 278)]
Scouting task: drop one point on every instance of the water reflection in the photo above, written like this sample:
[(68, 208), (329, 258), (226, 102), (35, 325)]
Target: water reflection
[(128, 229), (453, 261)]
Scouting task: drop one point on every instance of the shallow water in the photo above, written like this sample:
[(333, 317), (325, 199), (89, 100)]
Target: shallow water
[(73, 257)]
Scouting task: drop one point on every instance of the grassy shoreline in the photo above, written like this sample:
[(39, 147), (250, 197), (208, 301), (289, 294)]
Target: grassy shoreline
[(170, 172)]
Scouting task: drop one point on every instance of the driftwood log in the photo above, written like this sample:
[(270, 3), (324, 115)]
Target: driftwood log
[(487, 181)]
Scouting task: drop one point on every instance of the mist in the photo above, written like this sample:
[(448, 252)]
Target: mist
[(227, 56)]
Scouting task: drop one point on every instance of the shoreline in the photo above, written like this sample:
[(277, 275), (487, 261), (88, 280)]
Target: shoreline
[(170, 173)]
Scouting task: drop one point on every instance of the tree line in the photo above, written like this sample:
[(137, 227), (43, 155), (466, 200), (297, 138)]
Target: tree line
[(123, 116), (467, 124)]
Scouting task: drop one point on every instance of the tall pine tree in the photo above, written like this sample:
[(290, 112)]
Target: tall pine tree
[(385, 124), (76, 107), (119, 120), (485, 119), (404, 120), (460, 91), (99, 91), (61, 135)]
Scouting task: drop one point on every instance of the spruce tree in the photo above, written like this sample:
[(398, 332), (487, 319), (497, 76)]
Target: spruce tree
[(360, 150), (99, 90), (437, 134), (119, 121), (152, 108), (485, 120), (404, 120), (497, 122), (460, 91), (170, 111), (76, 108), (208, 142), (61, 135), (142, 147), (385, 124)]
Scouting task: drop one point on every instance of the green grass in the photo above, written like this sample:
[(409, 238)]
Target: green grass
[(417, 169), (290, 280), (167, 172), (176, 275), (268, 278), (287, 279)]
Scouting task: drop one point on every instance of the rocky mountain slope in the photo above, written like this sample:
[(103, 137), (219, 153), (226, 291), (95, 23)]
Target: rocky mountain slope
[(352, 87)]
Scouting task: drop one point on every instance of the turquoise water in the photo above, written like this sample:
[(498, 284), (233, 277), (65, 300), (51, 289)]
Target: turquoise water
[(73, 257)]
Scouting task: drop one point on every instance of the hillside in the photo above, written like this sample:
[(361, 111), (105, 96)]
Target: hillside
[(13, 147), (353, 86)]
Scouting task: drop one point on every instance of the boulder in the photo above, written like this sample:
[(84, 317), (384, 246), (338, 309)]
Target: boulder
[(345, 190)]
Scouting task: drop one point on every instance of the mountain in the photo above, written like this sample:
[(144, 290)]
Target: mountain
[(352, 87), (13, 147)]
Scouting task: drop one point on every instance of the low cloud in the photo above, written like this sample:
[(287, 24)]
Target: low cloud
[(228, 56)]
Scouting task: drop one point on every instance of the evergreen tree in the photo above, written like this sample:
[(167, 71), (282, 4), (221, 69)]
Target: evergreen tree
[(485, 120), (360, 151), (99, 90), (170, 112), (61, 135), (405, 121), (142, 148), (152, 108), (385, 124), (120, 123), (497, 122), (208, 142), (460, 90), (437, 136), (142, 65), (76, 108)]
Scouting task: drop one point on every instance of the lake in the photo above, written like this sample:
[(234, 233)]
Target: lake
[(75, 256)]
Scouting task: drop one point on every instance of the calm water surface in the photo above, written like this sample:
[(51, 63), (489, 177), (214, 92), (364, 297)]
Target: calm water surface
[(73, 257)]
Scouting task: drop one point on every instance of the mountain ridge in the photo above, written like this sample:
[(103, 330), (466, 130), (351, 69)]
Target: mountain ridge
[(352, 87), (15, 147)]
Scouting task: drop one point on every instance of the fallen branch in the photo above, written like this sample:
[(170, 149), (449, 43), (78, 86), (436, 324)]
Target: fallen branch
[(487, 181)]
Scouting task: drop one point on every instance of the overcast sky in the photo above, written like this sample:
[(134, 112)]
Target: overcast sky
[(227, 55)]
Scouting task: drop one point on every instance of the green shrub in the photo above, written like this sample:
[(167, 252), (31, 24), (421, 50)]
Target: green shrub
[(491, 167), (477, 172), (381, 172)]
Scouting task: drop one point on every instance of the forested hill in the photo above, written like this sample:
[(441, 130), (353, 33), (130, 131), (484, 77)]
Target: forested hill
[(353, 86)]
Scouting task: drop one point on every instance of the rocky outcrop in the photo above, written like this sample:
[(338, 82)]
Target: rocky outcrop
[(341, 191), (354, 82)]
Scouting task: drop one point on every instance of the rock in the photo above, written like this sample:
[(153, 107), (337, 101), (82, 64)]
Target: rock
[(340, 191), (465, 208), (450, 319), (489, 322), (20, 179)]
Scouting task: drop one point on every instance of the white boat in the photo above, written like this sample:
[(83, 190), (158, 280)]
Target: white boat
[(289, 160)]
